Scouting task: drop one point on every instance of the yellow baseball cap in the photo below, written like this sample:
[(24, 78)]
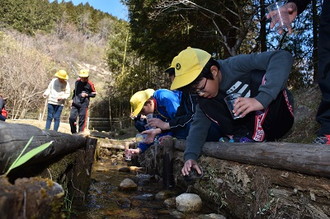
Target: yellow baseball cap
[(62, 75), (188, 64), (84, 73), (138, 100)]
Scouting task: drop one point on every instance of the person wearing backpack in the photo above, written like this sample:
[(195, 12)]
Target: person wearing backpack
[(4, 113)]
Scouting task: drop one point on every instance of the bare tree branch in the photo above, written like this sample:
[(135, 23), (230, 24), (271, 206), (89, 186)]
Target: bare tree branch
[(242, 22)]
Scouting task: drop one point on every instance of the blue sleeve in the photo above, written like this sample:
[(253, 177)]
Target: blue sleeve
[(143, 146), (167, 101)]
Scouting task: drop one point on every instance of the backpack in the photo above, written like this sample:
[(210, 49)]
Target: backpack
[(4, 112)]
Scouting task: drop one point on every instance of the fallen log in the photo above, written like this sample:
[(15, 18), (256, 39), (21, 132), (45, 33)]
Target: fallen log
[(240, 190), (260, 180), (67, 161), (13, 138), (312, 159)]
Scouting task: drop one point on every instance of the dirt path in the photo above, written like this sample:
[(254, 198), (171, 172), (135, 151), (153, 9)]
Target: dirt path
[(64, 127)]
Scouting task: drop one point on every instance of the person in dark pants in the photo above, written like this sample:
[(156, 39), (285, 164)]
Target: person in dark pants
[(57, 92), (264, 109), (83, 90), (294, 8)]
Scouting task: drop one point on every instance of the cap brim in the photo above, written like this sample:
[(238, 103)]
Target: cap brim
[(183, 80), (66, 78), (137, 110)]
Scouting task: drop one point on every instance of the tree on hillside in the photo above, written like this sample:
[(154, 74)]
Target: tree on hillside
[(27, 16), (130, 72), (24, 75), (162, 28), (220, 27)]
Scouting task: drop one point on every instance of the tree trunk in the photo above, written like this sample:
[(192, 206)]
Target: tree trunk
[(315, 40), (262, 36)]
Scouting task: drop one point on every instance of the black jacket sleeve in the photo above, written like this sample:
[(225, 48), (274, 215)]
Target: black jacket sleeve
[(185, 111), (301, 4)]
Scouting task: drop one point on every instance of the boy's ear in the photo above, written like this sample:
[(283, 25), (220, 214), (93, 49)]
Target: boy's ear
[(214, 70)]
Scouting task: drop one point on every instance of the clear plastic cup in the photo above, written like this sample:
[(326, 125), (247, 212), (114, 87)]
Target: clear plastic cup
[(128, 155), (149, 116), (279, 15), (140, 137), (230, 100)]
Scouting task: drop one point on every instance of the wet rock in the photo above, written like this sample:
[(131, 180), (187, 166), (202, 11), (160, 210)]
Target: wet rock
[(162, 195), (107, 153), (188, 202), (177, 214), (145, 197), (124, 169), (143, 179), (124, 203), (135, 169), (211, 216), (128, 185), (170, 202), (42, 198)]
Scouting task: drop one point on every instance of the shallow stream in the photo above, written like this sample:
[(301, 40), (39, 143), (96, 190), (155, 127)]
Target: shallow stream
[(106, 200)]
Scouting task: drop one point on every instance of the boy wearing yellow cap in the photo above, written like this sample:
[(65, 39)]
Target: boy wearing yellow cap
[(83, 90), (264, 108), (162, 104), (57, 92)]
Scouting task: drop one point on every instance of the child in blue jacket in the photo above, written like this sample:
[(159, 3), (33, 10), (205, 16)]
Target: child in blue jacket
[(162, 104)]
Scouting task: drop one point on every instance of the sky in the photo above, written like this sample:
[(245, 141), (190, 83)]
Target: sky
[(113, 7)]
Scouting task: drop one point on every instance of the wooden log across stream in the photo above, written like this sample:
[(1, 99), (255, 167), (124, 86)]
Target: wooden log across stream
[(256, 180), (61, 170), (312, 159)]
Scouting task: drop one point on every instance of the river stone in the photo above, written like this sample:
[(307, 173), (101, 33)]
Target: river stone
[(188, 202), (143, 179), (211, 216), (162, 195), (145, 197), (177, 214), (128, 184), (135, 169), (124, 203), (170, 202)]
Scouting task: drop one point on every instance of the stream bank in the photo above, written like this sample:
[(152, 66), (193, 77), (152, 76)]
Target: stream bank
[(106, 199)]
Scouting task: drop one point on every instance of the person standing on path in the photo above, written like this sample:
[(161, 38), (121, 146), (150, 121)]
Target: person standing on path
[(83, 90), (57, 92)]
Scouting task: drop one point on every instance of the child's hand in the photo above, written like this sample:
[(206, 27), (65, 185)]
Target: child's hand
[(291, 9), (188, 166), (155, 122), (151, 134), (133, 151), (245, 105)]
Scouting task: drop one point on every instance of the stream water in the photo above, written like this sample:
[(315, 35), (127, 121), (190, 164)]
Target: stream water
[(106, 200)]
